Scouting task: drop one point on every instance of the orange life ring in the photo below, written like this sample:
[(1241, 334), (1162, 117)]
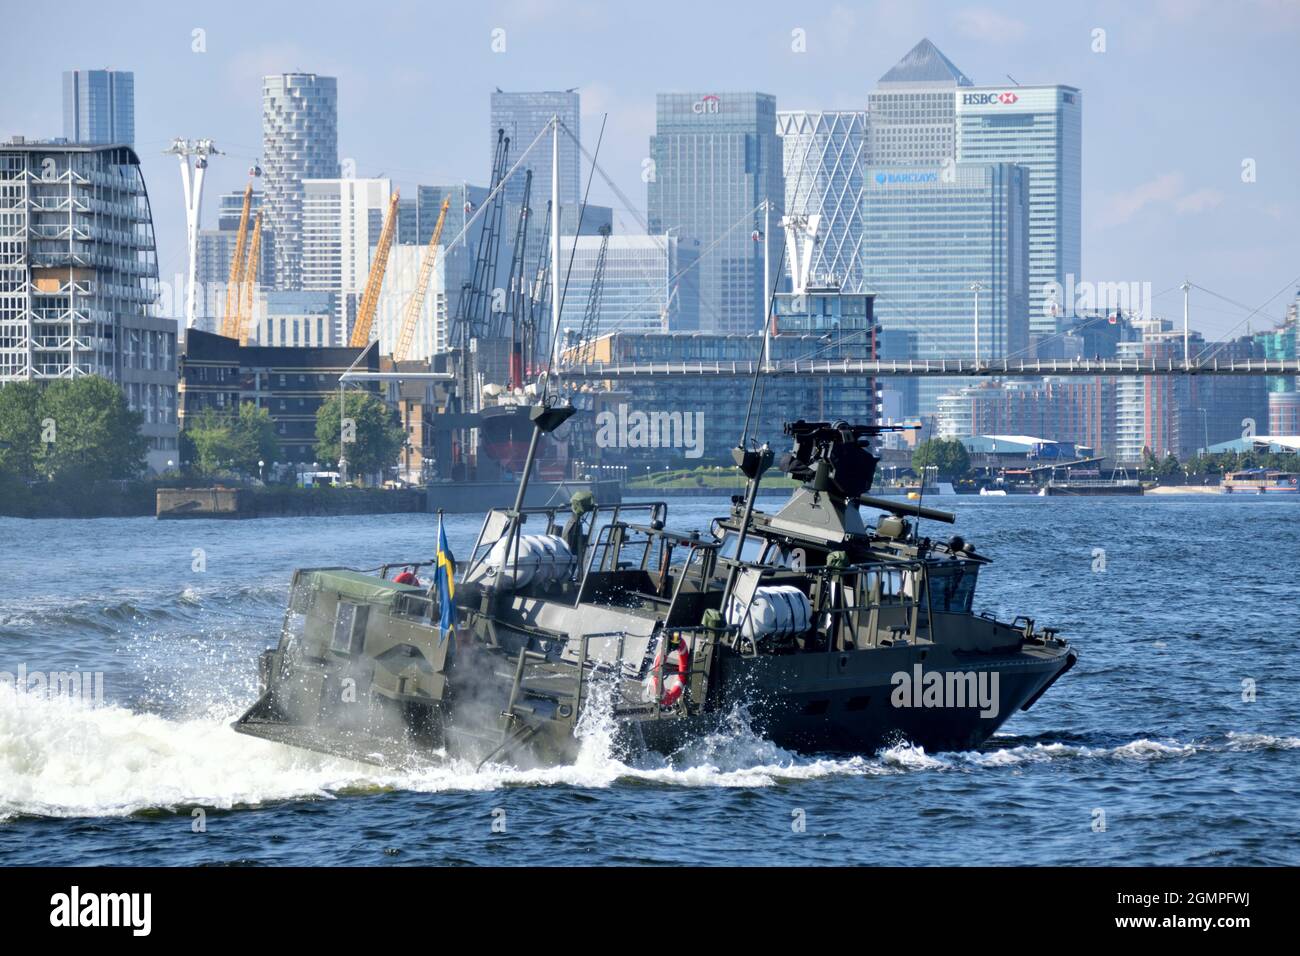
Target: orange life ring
[(675, 682)]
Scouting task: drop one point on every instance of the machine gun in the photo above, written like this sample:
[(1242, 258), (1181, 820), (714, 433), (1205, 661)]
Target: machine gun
[(837, 458), (832, 457)]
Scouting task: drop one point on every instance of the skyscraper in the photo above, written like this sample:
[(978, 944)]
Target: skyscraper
[(928, 240), (341, 223), (523, 116), (824, 154), (648, 283), (99, 106), (716, 158), (299, 141), (1039, 128), (911, 110)]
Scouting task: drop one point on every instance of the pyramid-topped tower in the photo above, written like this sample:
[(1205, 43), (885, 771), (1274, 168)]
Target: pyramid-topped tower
[(925, 65)]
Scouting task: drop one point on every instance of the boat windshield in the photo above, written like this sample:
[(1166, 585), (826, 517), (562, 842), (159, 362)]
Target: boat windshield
[(953, 590), (751, 551)]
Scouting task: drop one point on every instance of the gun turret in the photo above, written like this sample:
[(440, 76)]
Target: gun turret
[(832, 457)]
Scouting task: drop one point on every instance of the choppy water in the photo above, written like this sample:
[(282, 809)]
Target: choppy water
[(1150, 728)]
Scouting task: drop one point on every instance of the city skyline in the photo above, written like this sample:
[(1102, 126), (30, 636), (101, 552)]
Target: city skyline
[(1160, 198)]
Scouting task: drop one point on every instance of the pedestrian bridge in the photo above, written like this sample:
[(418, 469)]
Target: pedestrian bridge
[(937, 368)]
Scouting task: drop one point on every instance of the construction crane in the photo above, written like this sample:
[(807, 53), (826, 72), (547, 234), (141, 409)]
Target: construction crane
[(539, 299), (230, 321), (473, 309), (245, 320), (375, 279), (517, 283), (591, 318), (416, 303)]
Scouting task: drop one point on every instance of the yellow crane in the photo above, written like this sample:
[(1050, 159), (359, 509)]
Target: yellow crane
[(416, 304), (250, 281), (230, 321), (375, 279)]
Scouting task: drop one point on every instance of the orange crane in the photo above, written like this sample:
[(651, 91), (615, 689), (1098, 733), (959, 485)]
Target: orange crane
[(375, 279), (416, 304), (230, 321), (245, 320)]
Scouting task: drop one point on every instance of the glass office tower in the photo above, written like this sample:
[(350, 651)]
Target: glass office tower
[(648, 284), (1039, 128), (927, 241), (824, 153), (99, 106), (716, 157), (523, 116)]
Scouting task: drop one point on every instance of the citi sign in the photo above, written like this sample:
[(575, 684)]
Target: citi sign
[(985, 99), (706, 104)]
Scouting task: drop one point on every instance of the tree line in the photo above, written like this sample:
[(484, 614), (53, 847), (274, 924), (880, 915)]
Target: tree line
[(219, 442), (83, 429), (70, 428)]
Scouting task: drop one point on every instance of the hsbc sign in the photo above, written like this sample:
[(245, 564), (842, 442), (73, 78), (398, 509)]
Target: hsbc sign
[(987, 99)]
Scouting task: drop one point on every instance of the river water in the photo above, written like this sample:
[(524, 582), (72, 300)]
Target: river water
[(1176, 740)]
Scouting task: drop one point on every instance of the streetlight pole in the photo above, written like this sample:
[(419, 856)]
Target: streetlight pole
[(1187, 349), (976, 287), (767, 284), (555, 241), (343, 458)]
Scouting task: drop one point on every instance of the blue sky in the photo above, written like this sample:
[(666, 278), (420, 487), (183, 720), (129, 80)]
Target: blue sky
[(1182, 95)]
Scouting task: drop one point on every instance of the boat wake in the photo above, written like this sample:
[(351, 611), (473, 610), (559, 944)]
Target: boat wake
[(65, 758), (124, 610)]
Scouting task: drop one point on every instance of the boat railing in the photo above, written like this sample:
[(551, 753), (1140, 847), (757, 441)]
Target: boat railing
[(498, 521), (878, 589), (626, 546), (875, 590), (701, 641)]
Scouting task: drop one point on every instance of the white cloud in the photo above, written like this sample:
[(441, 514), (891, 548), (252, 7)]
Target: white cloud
[(1119, 208), (1164, 193), (1199, 201)]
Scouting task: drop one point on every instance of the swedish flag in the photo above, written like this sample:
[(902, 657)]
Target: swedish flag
[(445, 576)]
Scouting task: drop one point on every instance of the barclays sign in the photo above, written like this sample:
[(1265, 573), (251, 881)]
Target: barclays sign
[(893, 179)]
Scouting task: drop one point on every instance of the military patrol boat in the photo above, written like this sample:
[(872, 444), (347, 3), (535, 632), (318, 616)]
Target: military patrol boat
[(834, 634)]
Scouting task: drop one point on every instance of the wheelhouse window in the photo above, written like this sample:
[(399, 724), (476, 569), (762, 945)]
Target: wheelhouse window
[(954, 590), (349, 628), (752, 550)]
